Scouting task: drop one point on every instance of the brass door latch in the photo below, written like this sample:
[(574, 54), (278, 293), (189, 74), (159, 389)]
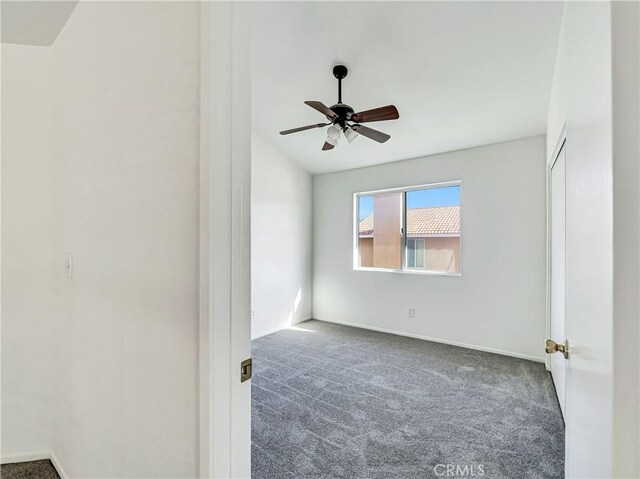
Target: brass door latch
[(245, 370), (550, 347)]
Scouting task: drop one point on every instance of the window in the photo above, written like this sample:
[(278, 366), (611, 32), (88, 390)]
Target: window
[(414, 229), (415, 253)]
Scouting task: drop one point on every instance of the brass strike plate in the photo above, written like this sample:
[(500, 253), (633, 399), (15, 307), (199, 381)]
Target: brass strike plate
[(245, 370)]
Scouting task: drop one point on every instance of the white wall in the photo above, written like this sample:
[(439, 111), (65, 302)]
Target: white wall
[(128, 77), (497, 304), (625, 21), (125, 203), (29, 308), (281, 226)]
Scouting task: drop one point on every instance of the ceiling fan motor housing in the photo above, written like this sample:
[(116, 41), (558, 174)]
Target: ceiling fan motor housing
[(343, 113)]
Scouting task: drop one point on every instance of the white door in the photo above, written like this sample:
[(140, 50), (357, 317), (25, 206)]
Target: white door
[(584, 87), (558, 257)]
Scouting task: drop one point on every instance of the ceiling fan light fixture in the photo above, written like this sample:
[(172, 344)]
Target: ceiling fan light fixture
[(333, 132), (332, 141), (350, 134)]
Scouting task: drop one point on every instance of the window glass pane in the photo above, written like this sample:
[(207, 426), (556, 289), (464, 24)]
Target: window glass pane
[(433, 218), (411, 253), (419, 253), (379, 231), (365, 231)]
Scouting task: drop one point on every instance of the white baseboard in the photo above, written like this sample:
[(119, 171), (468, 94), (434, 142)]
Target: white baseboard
[(279, 328), (436, 340), (25, 457), (35, 456), (61, 472)]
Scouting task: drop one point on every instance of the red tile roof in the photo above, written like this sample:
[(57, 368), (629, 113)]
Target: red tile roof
[(437, 220)]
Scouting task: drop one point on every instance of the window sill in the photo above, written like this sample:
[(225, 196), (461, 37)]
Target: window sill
[(407, 271)]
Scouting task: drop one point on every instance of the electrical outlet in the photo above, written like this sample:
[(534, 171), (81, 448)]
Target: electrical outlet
[(412, 312), (253, 314)]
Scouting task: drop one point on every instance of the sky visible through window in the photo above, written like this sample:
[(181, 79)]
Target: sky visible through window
[(445, 196)]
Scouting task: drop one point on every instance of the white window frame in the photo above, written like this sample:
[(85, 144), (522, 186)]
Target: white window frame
[(404, 190)]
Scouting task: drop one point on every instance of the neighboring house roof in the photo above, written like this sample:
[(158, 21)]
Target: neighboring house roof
[(366, 225), (437, 220)]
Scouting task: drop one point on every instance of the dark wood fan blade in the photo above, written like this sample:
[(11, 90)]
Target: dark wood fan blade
[(302, 128), (327, 146), (388, 112), (322, 108), (371, 133)]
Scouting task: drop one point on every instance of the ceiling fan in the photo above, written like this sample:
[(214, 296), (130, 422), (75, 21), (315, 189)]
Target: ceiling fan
[(343, 118)]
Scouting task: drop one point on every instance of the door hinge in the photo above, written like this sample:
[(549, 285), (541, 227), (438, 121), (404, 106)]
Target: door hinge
[(245, 370)]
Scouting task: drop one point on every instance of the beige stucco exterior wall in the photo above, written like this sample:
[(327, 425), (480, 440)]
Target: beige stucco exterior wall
[(442, 254), (366, 252)]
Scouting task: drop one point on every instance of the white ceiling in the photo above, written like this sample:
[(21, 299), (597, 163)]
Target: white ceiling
[(34, 22), (462, 74)]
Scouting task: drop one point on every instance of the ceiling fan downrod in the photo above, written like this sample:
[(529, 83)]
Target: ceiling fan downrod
[(340, 72)]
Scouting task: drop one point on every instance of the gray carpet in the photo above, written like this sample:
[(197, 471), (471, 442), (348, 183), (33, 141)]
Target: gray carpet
[(341, 402), (29, 470)]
